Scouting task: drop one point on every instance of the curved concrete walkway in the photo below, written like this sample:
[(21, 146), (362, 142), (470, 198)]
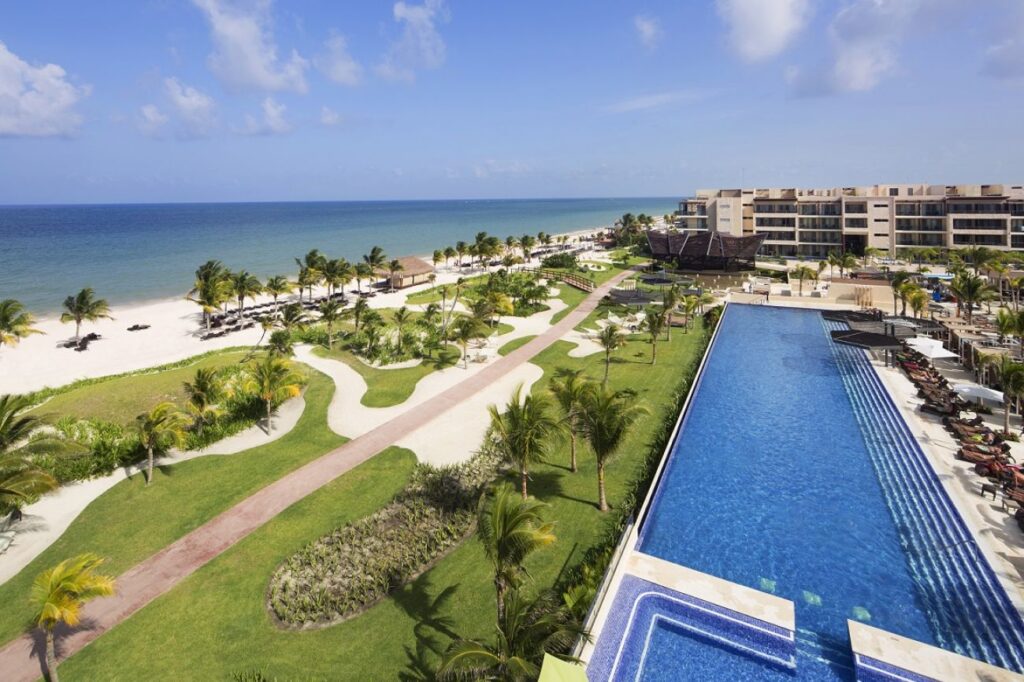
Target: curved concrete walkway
[(46, 520), (161, 572)]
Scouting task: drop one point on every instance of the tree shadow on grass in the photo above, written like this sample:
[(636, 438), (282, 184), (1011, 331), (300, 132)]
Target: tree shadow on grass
[(60, 635), (433, 626)]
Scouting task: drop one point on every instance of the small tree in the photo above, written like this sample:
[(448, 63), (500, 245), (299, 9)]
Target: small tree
[(84, 306), (161, 428), (272, 379), (525, 432), (571, 388), (607, 418), (330, 313), (654, 323)]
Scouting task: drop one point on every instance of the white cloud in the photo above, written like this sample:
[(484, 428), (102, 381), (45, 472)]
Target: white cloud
[(1005, 59), (36, 101), (272, 123), (420, 46), (759, 29), (648, 31), (195, 109), (656, 101), (866, 36), (151, 120), (337, 64), (245, 54), (329, 117)]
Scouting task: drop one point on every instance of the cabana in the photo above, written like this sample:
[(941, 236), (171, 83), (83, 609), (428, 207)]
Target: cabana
[(868, 341)]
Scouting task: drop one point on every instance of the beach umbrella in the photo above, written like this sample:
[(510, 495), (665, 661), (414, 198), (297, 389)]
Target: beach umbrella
[(923, 341), (978, 392), (935, 352)]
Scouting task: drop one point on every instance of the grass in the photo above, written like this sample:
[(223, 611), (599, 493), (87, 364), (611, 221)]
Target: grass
[(217, 622), (433, 294), (387, 387), (515, 344), (131, 521), (120, 399)]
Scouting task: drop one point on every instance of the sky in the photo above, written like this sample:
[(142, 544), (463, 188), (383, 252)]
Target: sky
[(253, 100)]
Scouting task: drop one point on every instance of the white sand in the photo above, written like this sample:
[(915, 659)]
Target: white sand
[(46, 520)]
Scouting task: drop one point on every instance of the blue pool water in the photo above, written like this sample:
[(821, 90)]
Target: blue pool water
[(792, 475)]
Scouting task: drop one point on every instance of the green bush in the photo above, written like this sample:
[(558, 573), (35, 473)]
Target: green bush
[(565, 261), (348, 570)]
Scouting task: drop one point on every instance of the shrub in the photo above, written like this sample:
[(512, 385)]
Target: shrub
[(348, 570), (566, 261)]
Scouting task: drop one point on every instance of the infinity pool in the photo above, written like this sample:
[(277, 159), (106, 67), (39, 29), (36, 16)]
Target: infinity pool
[(792, 474)]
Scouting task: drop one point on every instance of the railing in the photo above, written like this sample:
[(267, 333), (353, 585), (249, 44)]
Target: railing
[(579, 281)]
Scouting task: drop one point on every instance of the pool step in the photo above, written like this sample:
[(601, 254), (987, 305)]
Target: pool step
[(959, 589), (814, 647)]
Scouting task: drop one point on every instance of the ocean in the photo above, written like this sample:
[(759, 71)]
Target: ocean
[(132, 253)]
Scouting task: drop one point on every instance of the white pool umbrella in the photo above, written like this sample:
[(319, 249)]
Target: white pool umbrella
[(919, 341), (935, 352), (978, 392)]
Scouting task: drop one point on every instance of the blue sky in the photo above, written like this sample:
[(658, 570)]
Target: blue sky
[(207, 100)]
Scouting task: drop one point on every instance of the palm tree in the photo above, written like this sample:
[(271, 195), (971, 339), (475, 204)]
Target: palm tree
[(394, 267), (20, 479), (801, 272), (464, 331), (526, 243), (607, 417), (272, 379), (669, 301), (846, 262), (15, 322), (336, 272), (898, 280), (611, 339), (330, 312), (84, 307), (905, 292), (969, 289), (690, 305), (358, 310), (203, 394), (280, 344), (525, 432), (243, 286), (918, 300), (1011, 380), (61, 592), (161, 428), (833, 262), (510, 529), (401, 317), (277, 286), (437, 258), (293, 316), (570, 388), (311, 268), (528, 631), (210, 293), (654, 323), (374, 261)]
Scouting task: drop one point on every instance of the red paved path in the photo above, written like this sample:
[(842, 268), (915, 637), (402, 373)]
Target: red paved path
[(159, 573)]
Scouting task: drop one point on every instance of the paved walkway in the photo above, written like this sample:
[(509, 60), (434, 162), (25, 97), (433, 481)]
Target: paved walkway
[(161, 572)]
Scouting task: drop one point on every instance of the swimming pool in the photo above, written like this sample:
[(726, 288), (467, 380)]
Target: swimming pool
[(794, 474)]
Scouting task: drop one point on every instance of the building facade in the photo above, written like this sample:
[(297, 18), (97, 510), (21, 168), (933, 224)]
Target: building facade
[(813, 222)]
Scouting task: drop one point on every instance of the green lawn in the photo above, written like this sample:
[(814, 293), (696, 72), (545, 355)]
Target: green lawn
[(131, 521), (515, 344), (120, 399), (387, 387), (433, 294), (215, 623)]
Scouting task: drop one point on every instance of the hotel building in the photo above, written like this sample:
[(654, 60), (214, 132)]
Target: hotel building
[(813, 222)]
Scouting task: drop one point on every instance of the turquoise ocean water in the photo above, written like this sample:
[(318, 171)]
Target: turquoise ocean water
[(140, 252)]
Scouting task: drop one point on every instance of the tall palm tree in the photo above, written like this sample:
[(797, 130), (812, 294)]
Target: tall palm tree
[(571, 388), (669, 301), (918, 300), (243, 286), (358, 311), (437, 258), (654, 324), (905, 292), (896, 282), (84, 306), (833, 263), (209, 294), (969, 289), (401, 318), (161, 428), (362, 272), (203, 394), (526, 243), (449, 253), (330, 313), (15, 322), (461, 248), (607, 418), (690, 306), (272, 379), (525, 432), (847, 261), (611, 339), (278, 286), (464, 331), (280, 344), (801, 272), (61, 592), (394, 267), (528, 631), (293, 316), (510, 529), (1011, 380)]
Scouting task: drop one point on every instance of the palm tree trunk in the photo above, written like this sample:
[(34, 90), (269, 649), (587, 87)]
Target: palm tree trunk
[(654, 350), (522, 481), (1006, 412), (149, 465), (668, 334), (607, 364), (78, 329), (51, 658), (602, 501), (499, 591), (269, 410), (572, 450)]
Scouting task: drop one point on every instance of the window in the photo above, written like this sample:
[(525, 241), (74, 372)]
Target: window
[(894, 191), (881, 205), (856, 207), (857, 223), (881, 220), (979, 224)]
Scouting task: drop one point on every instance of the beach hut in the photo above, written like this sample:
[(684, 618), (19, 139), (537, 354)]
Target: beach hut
[(414, 271)]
